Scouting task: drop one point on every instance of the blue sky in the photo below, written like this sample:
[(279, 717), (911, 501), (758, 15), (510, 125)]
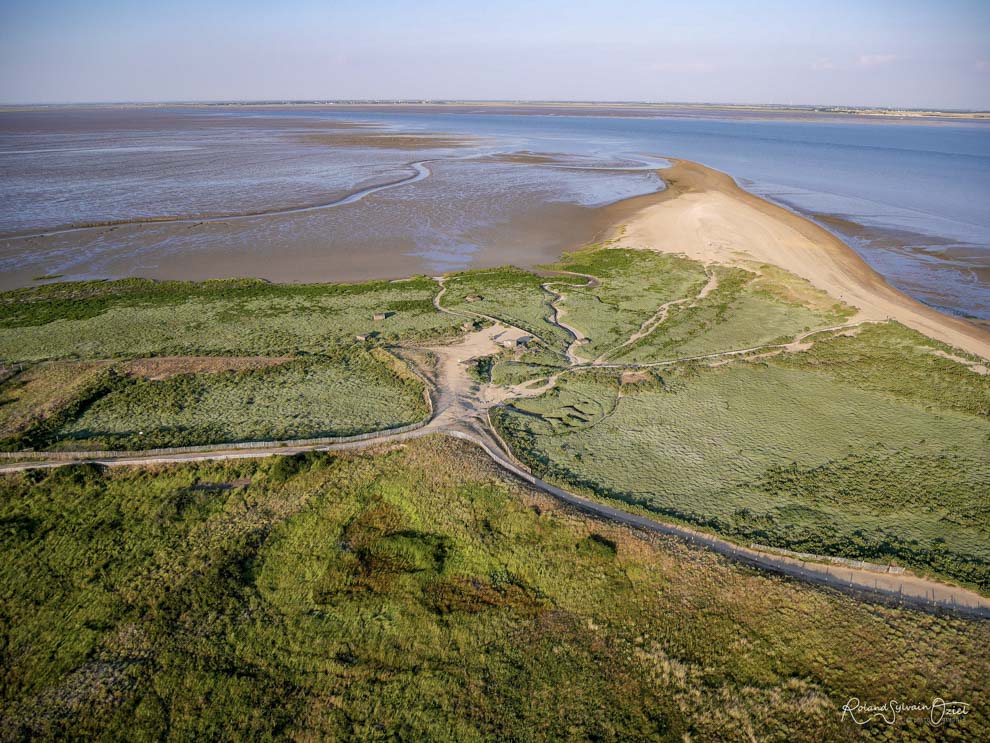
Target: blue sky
[(879, 52)]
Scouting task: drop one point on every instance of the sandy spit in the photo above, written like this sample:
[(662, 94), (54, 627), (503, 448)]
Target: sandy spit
[(704, 214)]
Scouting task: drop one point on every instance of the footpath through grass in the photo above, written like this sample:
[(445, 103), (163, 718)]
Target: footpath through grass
[(416, 593)]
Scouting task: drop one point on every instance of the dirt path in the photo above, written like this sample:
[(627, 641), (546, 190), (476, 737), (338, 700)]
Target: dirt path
[(905, 588), (660, 316), (473, 315), (798, 344), (645, 329), (460, 409)]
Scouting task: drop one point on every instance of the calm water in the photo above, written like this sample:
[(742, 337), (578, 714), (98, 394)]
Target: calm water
[(917, 195)]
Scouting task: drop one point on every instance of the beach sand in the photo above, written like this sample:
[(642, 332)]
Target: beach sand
[(705, 215)]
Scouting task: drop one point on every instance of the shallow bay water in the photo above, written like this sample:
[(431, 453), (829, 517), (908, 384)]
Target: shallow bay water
[(310, 194)]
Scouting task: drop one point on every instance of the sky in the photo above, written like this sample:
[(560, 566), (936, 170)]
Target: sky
[(899, 53)]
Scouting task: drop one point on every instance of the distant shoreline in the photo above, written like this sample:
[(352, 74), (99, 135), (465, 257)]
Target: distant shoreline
[(591, 108)]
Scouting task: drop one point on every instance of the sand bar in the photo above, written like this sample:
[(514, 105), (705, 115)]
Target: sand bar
[(705, 215)]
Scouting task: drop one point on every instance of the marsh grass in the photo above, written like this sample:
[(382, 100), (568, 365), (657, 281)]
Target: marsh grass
[(417, 593), (633, 284), (731, 449), (135, 317), (511, 295), (745, 310), (346, 394), (36, 392), (896, 360)]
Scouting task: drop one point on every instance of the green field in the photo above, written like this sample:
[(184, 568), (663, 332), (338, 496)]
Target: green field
[(131, 318), (301, 399), (38, 391), (870, 445), (633, 284), (350, 393), (839, 458), (745, 310), (417, 594), (335, 385), (511, 295)]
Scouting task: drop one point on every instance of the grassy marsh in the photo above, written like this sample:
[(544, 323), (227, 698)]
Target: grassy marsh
[(130, 318), (416, 592), (878, 476)]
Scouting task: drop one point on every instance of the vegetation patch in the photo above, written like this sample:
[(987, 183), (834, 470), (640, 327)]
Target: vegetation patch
[(745, 310), (896, 360), (511, 295), (318, 396), (419, 594), (632, 285), (712, 447), (30, 396), (236, 317)]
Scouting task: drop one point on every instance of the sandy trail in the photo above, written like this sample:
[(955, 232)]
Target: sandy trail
[(705, 215), (658, 318), (460, 409)]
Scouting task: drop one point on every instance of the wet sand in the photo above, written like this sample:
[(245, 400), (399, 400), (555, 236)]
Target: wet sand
[(524, 236), (705, 215), (389, 141), (930, 255)]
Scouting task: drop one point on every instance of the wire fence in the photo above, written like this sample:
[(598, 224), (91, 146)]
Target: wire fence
[(288, 443), (873, 567)]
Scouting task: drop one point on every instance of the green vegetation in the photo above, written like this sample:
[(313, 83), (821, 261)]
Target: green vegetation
[(812, 451), (310, 397), (134, 317), (34, 393), (633, 284), (511, 295), (342, 395), (743, 311), (337, 387), (416, 593), (876, 477), (893, 359)]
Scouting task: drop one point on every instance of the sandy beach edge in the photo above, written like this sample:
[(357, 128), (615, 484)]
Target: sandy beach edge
[(704, 214)]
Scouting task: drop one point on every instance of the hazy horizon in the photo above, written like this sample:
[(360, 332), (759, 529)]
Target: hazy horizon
[(479, 101), (886, 54)]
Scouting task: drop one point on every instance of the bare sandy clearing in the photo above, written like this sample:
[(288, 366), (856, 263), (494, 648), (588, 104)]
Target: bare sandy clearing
[(164, 367)]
